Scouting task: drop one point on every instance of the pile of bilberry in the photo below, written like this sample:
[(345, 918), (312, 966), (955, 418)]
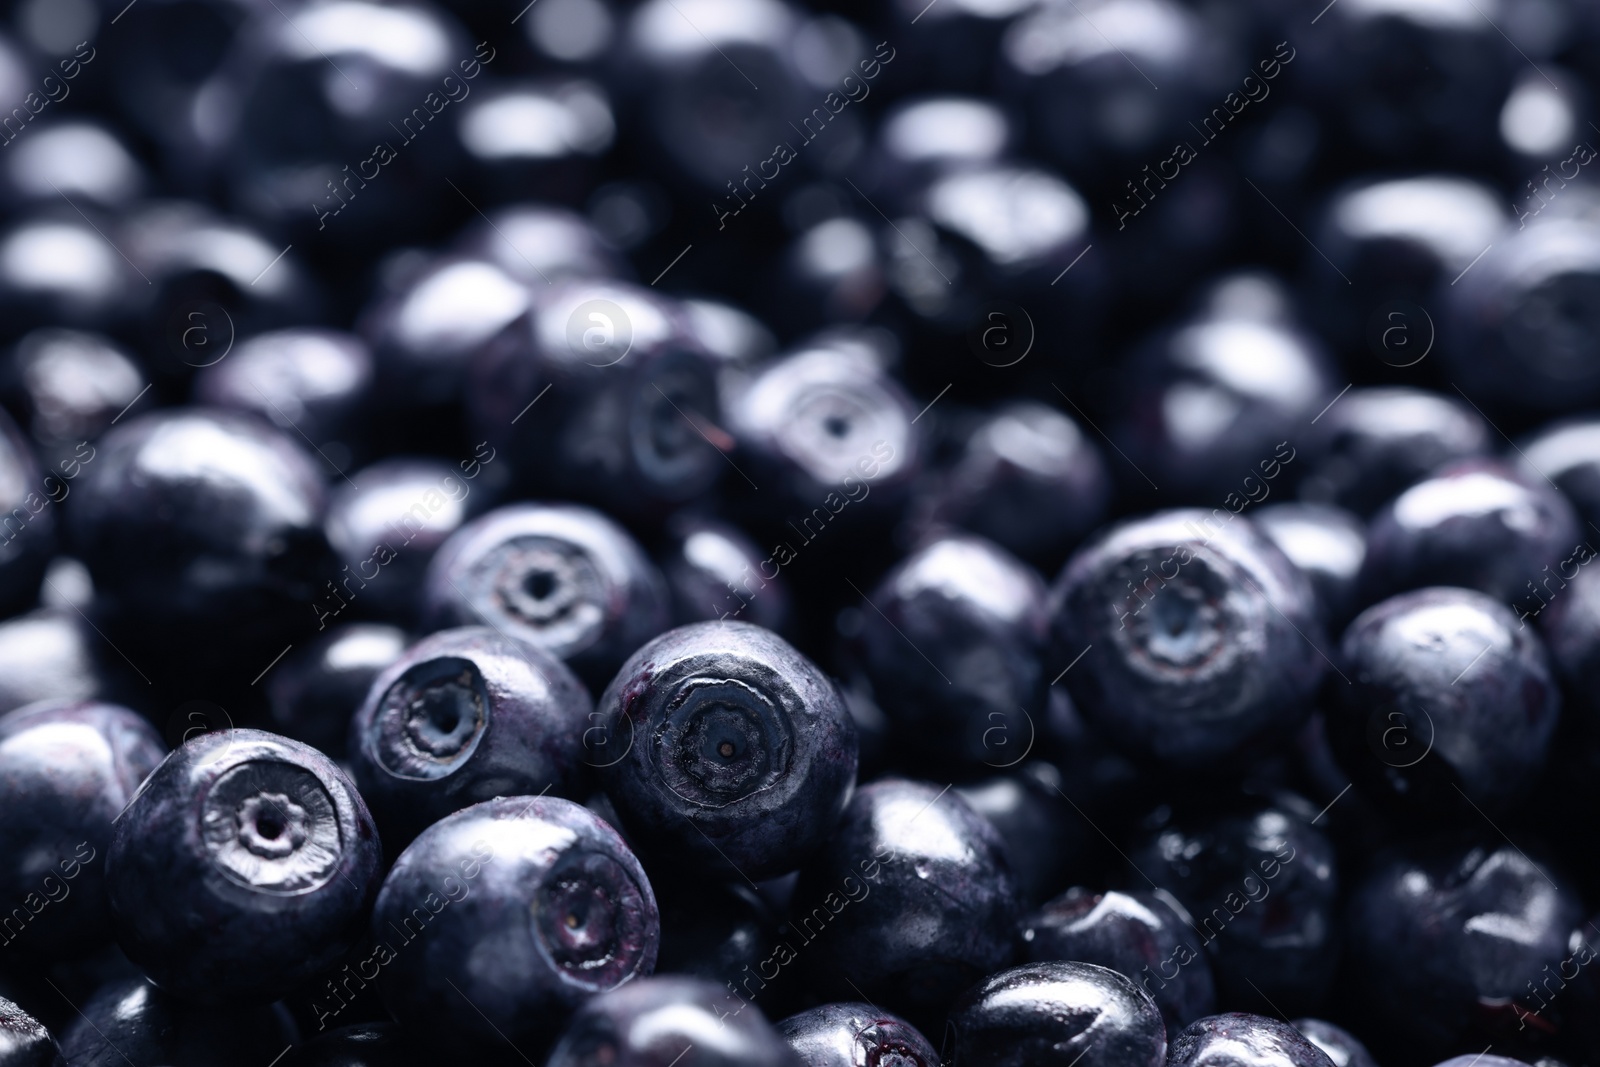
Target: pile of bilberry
[(799, 533)]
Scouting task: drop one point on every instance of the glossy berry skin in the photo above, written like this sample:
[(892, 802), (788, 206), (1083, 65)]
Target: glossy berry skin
[(1025, 803), (1376, 443), (1450, 939), (304, 381), (131, 1020), (318, 687), (561, 577), (85, 160), (1325, 542), (385, 524), (271, 853), (49, 654), (714, 572), (528, 906), (1571, 631), (736, 755), (1030, 480), (1395, 240), (1262, 886), (827, 429), (1522, 322), (202, 527), (981, 617), (1568, 454), (24, 1042), (632, 418), (424, 335), (1450, 697), (1182, 610), (67, 386), (27, 516), (1203, 422), (847, 1035), (543, 244), (1139, 935), (88, 287), (656, 1022), (462, 716), (362, 1045), (1474, 524), (1339, 1044), (1051, 1014), (66, 771), (911, 900), (1238, 1039)]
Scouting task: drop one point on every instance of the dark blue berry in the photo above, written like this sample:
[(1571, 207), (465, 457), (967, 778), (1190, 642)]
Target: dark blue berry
[(245, 864), (463, 716), (1055, 1014), (848, 1035), (1238, 1039), (659, 1022), (726, 749), (504, 917)]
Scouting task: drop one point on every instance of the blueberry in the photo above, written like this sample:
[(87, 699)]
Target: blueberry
[(1452, 939), (521, 907), (132, 1021), (384, 526), (1202, 422), (561, 577), (203, 529), (1390, 243), (1184, 609), (1238, 1039), (847, 1035), (1042, 835), (826, 429), (314, 692), (84, 160), (1327, 543), (318, 179), (954, 644), (632, 418), (658, 1022), (88, 286), (1405, 87), (66, 771), (1450, 699), (1520, 324), (49, 654), (734, 752), (1339, 1044), (362, 1045), (504, 161), (309, 382), (211, 279), (714, 572), (1262, 885), (1566, 453), (245, 863), (463, 716), (1375, 443), (909, 903), (1030, 480), (1138, 935), (541, 243), (27, 517), (1475, 524), (924, 136), (24, 1042), (67, 386), (425, 335), (1053, 1014)]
